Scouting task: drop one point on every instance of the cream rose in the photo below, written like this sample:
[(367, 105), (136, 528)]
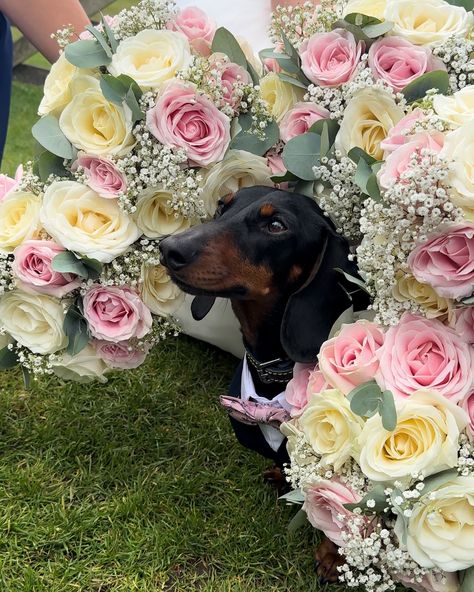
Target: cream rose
[(456, 109), (428, 22), (151, 57), (93, 124), (34, 320), (19, 219), (154, 216), (441, 527), (425, 439), (80, 220), (158, 292), (239, 169), (407, 288), (293, 434), (86, 366), (330, 427), (280, 96), (375, 8), (57, 92), (459, 148), (368, 118)]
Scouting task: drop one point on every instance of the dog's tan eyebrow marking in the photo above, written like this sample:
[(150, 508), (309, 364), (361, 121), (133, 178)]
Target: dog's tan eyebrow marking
[(267, 210)]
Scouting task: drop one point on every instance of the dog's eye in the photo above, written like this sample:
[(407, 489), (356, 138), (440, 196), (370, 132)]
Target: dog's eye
[(275, 227)]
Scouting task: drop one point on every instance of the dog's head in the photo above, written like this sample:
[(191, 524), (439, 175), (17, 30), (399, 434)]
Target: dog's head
[(266, 244)]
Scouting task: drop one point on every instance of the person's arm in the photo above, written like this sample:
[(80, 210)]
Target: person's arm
[(38, 19)]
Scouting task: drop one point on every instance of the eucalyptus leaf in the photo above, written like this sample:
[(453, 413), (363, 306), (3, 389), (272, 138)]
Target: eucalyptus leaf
[(100, 39), (301, 154), (298, 521), (330, 127), (76, 330), (388, 411), (416, 90), (362, 175), (361, 20), (292, 80), (133, 105), (290, 50), (69, 262), (249, 142), (467, 580), (469, 6), (377, 493), (284, 178), (372, 188), (253, 73), (225, 42), (8, 359), (365, 399), (438, 480), (377, 30), (356, 153), (354, 29), (293, 497), (50, 164), (353, 280), (110, 35), (48, 133), (86, 53), (114, 89), (305, 188)]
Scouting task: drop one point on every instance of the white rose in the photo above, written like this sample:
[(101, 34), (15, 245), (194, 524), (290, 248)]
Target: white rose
[(151, 57), (154, 216), (425, 439), (239, 169), (441, 527), (368, 118), (456, 109), (80, 220), (57, 91), (86, 366), (375, 8), (34, 320), (330, 427), (158, 292), (280, 96), (93, 124), (459, 148), (427, 22), (19, 219)]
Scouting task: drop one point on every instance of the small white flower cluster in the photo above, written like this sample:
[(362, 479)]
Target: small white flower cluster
[(465, 456), (147, 14), (35, 364), (64, 36), (411, 209), (6, 273), (456, 54), (30, 181)]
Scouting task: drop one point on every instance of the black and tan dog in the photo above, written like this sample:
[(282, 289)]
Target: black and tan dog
[(279, 260)]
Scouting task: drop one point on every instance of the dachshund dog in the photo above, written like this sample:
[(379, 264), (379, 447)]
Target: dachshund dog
[(279, 260)]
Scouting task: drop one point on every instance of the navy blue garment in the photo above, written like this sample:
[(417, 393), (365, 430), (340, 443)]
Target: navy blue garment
[(6, 61)]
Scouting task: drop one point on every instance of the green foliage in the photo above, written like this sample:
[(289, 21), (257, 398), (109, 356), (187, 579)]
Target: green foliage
[(366, 173), (438, 480), (76, 329), (364, 28), (101, 39), (8, 359), (47, 132), (416, 90), (69, 262), (245, 140), (368, 399), (469, 6), (49, 164), (301, 154), (87, 53), (467, 580), (377, 495), (224, 42), (122, 89)]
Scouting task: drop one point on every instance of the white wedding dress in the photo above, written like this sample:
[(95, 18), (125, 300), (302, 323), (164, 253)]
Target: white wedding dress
[(249, 20)]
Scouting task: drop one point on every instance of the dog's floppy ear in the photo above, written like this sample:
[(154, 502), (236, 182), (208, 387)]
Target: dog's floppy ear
[(314, 308)]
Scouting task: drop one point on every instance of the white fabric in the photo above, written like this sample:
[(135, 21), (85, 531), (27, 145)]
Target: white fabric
[(273, 436), (248, 19)]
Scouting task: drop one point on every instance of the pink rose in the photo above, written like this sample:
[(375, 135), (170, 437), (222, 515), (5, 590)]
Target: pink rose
[(425, 354), (324, 505), (330, 59), (462, 321), (468, 405), (307, 380), (350, 358), (33, 268), (300, 118), (231, 77), (102, 175), (398, 134), (8, 184), (116, 314), (185, 119), (197, 27), (446, 262), (398, 161), (399, 62), (121, 355), (271, 64)]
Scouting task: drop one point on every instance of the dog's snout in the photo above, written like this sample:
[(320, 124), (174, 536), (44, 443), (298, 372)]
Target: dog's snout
[(175, 254)]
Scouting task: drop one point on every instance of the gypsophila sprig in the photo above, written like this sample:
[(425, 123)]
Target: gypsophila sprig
[(147, 14)]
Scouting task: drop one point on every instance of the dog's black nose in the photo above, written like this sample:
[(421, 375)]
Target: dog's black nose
[(177, 252)]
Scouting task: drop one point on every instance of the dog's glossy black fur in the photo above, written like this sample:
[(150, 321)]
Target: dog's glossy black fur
[(279, 260)]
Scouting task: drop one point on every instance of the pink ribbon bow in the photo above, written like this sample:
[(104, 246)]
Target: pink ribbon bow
[(252, 413)]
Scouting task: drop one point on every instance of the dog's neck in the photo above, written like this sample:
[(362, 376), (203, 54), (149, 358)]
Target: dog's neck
[(260, 323)]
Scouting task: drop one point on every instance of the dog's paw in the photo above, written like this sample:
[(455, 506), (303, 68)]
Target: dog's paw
[(276, 478), (327, 562)]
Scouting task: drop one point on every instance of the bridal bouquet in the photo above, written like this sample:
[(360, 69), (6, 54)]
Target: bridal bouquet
[(382, 436), (146, 121)]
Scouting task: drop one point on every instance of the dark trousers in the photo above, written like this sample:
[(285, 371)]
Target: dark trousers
[(6, 61)]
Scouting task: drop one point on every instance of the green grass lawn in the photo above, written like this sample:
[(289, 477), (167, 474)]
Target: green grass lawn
[(139, 484)]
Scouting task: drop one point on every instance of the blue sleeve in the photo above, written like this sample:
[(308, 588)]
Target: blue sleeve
[(6, 61)]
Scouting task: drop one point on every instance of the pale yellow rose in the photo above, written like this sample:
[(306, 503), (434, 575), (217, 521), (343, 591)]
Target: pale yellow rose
[(78, 219), (151, 57), (427, 22), (280, 96), (375, 8), (93, 124), (34, 320), (456, 109), (330, 427), (158, 292), (441, 527), (239, 169), (57, 91), (19, 219), (86, 366), (155, 217), (425, 439), (459, 148), (368, 118), (408, 288)]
